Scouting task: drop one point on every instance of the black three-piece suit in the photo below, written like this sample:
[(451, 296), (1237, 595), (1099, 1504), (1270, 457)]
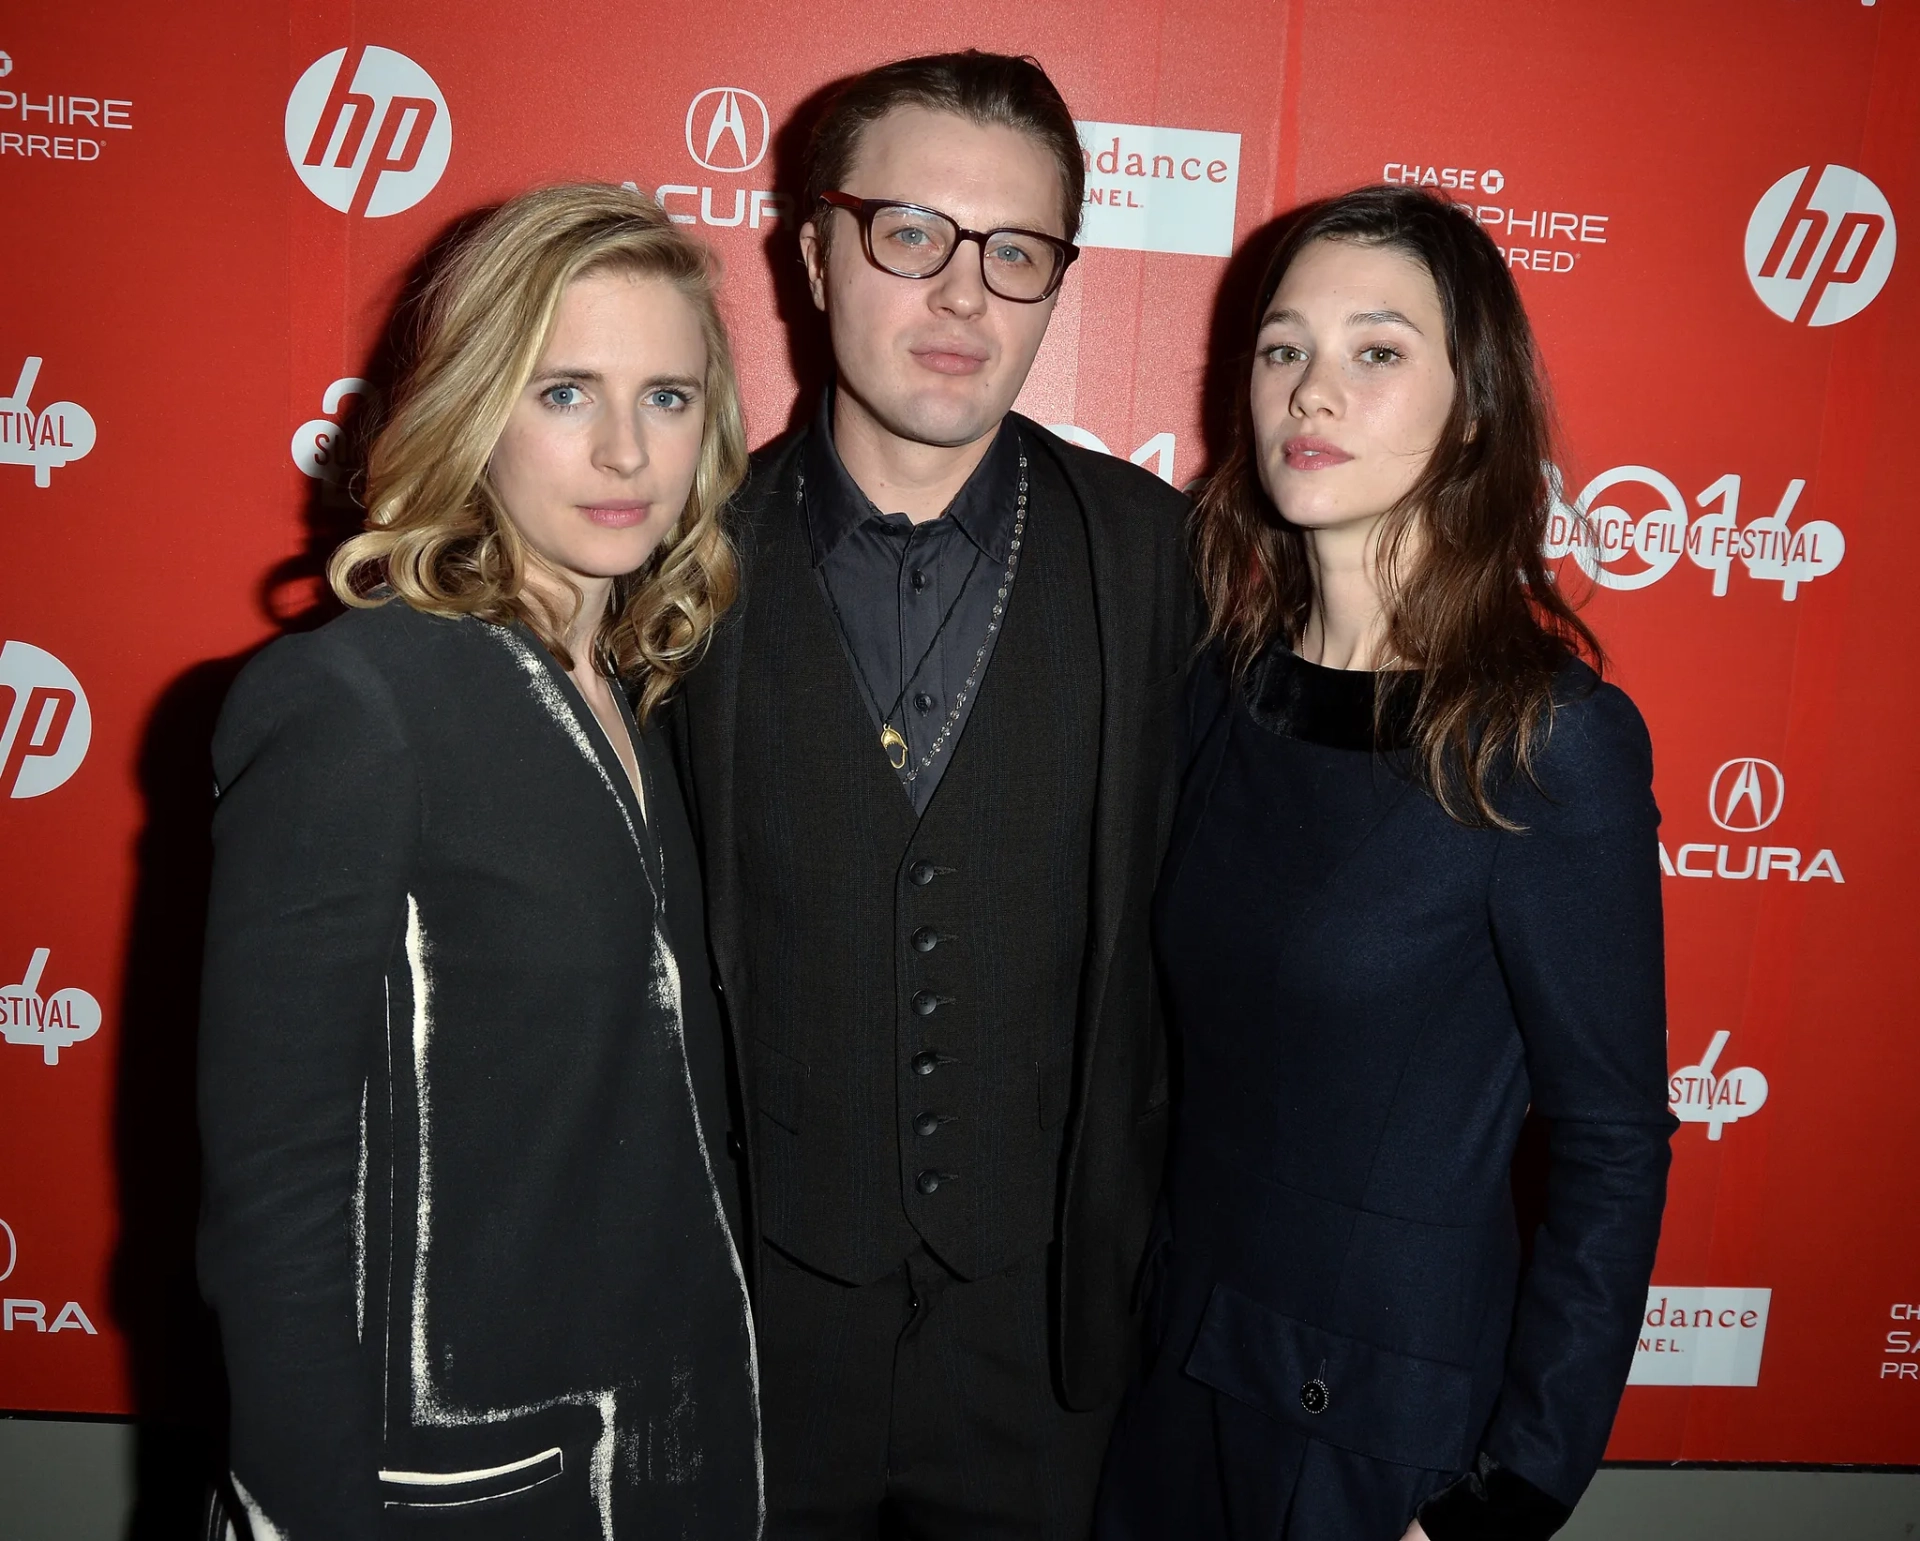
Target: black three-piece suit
[(946, 1023)]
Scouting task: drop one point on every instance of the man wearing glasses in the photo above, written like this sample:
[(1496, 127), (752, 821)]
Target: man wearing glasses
[(931, 759)]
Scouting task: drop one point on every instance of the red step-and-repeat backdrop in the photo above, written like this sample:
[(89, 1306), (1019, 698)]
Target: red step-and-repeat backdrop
[(212, 208)]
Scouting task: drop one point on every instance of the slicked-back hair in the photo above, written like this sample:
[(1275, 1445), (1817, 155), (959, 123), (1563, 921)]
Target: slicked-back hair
[(1468, 601), (995, 89)]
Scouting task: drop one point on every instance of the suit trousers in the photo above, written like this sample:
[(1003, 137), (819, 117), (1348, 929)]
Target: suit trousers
[(921, 1405)]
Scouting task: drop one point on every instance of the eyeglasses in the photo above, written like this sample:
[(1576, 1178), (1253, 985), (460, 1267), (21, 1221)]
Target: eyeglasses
[(914, 242)]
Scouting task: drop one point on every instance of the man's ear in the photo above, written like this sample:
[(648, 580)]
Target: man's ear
[(815, 258)]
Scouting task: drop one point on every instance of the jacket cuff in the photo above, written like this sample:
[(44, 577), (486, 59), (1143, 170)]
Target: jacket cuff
[(1491, 1503)]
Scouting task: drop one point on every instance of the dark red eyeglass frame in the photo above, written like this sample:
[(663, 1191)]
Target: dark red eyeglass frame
[(863, 209)]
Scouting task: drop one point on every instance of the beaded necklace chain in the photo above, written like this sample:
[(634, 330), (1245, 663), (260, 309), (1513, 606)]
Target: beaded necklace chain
[(892, 741)]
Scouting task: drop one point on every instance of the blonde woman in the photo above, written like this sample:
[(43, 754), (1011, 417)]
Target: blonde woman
[(461, 1085)]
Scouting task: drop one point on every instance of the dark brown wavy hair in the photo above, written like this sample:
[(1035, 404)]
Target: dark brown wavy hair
[(1469, 605)]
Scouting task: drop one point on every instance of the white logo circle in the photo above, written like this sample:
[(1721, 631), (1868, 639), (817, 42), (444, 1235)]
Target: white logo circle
[(368, 131), (13, 1247), (47, 725), (731, 135), (1492, 179), (1747, 795), (6, 68), (1819, 248)]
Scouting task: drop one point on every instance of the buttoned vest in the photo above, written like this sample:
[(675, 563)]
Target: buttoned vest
[(913, 985)]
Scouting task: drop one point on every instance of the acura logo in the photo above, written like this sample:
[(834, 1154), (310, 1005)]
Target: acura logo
[(728, 129), (1747, 795)]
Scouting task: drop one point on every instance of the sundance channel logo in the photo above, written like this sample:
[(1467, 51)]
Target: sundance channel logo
[(1159, 189), (1820, 245), (1701, 1336), (368, 131)]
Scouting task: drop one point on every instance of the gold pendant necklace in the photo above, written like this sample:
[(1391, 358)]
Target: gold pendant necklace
[(895, 746)]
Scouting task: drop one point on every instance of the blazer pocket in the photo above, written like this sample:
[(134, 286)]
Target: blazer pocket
[(1370, 1400), (456, 1489), (779, 1086)]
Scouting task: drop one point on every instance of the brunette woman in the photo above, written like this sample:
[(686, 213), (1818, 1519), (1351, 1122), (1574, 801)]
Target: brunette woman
[(1413, 891), (461, 1084)]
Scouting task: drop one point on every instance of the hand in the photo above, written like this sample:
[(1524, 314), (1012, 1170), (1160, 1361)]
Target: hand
[(1415, 1533)]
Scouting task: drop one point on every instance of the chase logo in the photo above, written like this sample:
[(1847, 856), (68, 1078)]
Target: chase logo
[(728, 130), (368, 131), (1747, 795)]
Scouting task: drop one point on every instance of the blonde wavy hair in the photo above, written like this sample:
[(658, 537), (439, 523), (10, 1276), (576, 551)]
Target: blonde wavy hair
[(436, 535)]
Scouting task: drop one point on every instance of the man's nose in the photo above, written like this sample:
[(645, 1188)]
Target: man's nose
[(960, 288)]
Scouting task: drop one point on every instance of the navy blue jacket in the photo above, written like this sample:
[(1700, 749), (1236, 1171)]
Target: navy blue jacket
[(1368, 996)]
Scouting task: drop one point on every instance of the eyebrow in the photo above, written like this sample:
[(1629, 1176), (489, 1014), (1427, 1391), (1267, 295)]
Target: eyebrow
[(1358, 318), (565, 373)]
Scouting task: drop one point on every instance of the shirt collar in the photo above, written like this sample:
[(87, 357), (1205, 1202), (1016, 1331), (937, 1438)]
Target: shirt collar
[(983, 508)]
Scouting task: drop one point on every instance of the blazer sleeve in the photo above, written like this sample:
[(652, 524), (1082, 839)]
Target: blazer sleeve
[(1575, 912), (314, 831)]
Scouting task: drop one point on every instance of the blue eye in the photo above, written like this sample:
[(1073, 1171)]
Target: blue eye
[(563, 396), (667, 399)]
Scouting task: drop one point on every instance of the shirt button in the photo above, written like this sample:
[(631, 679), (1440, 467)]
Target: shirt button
[(926, 1062), (926, 939), (921, 872), (924, 702), (929, 1182), (927, 1123), (918, 580)]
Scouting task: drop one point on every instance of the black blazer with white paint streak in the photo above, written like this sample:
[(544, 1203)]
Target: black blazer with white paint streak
[(461, 1107)]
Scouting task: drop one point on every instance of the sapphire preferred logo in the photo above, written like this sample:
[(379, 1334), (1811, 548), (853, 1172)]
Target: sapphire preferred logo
[(1630, 526), (48, 1023), (45, 723), (1745, 797), (1532, 239), (1701, 1336), (18, 1315), (368, 131), (1151, 188), (1820, 245), (55, 435)]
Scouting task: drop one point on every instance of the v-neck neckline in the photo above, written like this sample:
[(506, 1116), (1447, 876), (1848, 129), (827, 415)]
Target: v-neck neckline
[(600, 743)]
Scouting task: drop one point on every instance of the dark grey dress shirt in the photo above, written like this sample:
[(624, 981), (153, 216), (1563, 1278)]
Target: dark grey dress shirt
[(892, 583)]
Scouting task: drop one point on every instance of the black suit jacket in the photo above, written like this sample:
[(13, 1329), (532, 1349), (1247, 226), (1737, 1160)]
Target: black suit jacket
[(1145, 603), (461, 1224)]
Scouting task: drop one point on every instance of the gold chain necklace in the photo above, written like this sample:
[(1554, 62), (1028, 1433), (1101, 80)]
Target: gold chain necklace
[(893, 742)]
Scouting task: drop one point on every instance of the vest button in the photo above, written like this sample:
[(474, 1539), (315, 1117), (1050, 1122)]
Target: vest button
[(926, 1002), (929, 1182), (927, 1123), (926, 939), (926, 1062), (1313, 1396), (922, 873)]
